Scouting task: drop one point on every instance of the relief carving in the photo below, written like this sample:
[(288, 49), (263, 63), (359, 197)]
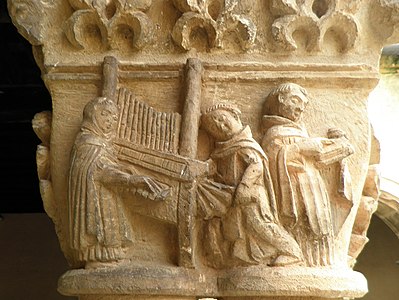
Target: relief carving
[(314, 19), (166, 185), (41, 125), (238, 202), (217, 18), (25, 15), (295, 161), (111, 22), (368, 205), (99, 229)]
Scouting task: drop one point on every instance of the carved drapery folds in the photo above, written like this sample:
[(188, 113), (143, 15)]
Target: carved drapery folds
[(111, 22), (315, 19), (218, 18), (198, 199), (305, 205)]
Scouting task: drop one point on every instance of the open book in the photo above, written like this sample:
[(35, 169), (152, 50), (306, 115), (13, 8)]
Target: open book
[(334, 150)]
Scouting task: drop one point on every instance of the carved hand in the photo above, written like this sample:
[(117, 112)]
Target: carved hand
[(212, 169), (137, 181), (149, 188), (242, 194), (335, 133), (310, 147)]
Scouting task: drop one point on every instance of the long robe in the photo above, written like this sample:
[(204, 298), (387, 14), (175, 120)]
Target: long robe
[(304, 205), (246, 232), (98, 228)]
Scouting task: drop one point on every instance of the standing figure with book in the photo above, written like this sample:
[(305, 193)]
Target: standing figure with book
[(295, 162), (238, 203)]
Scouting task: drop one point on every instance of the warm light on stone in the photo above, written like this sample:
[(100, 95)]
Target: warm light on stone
[(208, 148)]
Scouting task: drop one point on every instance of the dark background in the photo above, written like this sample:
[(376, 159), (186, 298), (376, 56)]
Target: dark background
[(22, 95), (30, 258)]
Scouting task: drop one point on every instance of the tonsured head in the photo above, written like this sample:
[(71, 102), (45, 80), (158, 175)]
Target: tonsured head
[(222, 121), (288, 100), (103, 113)]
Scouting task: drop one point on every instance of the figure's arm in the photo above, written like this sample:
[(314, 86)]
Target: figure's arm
[(249, 179), (311, 147), (111, 176), (293, 152)]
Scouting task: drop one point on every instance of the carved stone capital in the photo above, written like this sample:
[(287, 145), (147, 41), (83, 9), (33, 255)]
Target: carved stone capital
[(111, 22), (26, 14), (208, 147), (217, 18), (315, 19)]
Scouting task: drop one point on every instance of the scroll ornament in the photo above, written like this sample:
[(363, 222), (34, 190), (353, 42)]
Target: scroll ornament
[(217, 18), (111, 19), (315, 18)]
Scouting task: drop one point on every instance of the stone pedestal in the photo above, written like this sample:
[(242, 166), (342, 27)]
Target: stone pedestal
[(130, 282), (208, 148), (125, 297)]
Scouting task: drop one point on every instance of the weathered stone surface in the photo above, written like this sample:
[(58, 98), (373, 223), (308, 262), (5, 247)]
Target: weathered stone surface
[(214, 148)]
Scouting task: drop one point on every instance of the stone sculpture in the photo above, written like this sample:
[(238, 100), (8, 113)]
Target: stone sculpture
[(196, 207), (99, 230), (318, 20), (368, 205), (247, 232), (217, 18), (305, 208), (109, 24), (41, 125)]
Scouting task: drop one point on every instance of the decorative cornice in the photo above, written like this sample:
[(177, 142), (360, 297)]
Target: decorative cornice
[(218, 22), (125, 26), (111, 22), (316, 19)]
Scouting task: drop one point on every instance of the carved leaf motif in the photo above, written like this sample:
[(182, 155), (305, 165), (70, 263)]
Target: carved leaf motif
[(217, 18), (136, 23), (346, 28), (141, 5), (284, 7), (185, 26), (187, 5), (76, 25), (245, 30), (113, 20), (80, 4), (284, 28), (315, 18)]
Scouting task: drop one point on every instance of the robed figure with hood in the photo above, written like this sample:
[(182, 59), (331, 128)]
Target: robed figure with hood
[(238, 202), (296, 158), (99, 229)]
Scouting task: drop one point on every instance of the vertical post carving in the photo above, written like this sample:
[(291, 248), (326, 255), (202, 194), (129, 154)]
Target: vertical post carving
[(188, 148), (149, 205), (192, 108), (110, 77)]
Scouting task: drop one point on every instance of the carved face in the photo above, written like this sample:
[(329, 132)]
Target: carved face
[(26, 13), (106, 118), (222, 124), (292, 104)]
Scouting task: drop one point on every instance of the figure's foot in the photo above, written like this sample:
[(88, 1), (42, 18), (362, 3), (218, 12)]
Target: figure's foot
[(286, 260), (99, 264), (105, 264)]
